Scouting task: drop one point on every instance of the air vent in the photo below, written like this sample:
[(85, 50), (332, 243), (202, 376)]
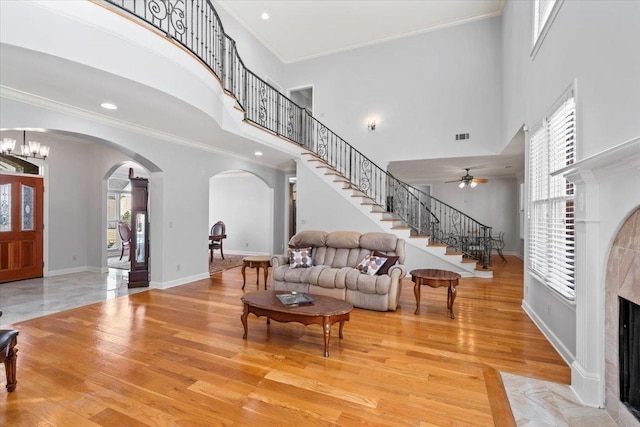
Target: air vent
[(462, 136)]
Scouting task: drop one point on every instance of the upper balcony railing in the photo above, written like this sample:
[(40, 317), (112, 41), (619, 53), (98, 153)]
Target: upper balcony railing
[(196, 25)]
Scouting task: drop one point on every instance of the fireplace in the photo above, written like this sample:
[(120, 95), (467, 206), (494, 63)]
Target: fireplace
[(629, 350), (622, 324)]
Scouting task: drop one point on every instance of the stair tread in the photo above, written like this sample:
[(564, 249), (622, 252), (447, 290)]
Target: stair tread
[(437, 244)]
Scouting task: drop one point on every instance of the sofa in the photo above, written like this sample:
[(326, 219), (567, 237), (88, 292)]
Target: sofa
[(336, 267)]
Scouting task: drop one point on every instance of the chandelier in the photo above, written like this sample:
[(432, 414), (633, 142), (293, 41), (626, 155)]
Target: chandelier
[(28, 149)]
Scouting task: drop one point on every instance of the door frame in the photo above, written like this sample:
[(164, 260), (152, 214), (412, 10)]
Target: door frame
[(44, 175)]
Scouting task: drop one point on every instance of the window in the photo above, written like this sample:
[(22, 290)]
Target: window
[(551, 213), (544, 12)]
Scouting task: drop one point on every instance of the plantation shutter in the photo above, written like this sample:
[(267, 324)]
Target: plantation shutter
[(551, 224), (538, 176)]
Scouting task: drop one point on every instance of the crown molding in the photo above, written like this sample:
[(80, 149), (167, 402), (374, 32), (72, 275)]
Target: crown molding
[(49, 104)]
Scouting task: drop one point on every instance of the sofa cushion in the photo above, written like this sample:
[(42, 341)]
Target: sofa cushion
[(384, 242), (343, 240), (327, 277), (391, 261), (339, 257), (295, 275), (309, 238), (300, 257), (371, 264), (364, 283)]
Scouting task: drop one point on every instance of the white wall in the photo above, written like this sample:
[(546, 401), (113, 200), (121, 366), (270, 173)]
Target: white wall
[(245, 204), (179, 192), (494, 204), (595, 44), (422, 89), (254, 55), (321, 207)]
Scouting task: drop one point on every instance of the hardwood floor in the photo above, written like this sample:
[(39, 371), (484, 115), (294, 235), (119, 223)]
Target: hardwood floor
[(177, 357)]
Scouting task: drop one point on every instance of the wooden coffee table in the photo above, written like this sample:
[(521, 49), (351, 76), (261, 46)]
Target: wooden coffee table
[(324, 311), (435, 279)]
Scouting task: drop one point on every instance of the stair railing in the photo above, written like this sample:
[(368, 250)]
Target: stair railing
[(196, 26)]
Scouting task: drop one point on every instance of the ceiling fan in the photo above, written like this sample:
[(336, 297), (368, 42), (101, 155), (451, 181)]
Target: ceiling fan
[(469, 180)]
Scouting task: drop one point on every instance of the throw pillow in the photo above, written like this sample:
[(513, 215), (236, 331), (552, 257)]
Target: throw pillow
[(300, 257), (370, 264), (391, 261)]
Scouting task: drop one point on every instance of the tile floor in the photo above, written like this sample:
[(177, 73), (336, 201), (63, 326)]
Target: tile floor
[(541, 403), (28, 299), (533, 402)]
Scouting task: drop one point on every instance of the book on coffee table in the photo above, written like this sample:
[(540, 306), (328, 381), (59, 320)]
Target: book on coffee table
[(295, 298)]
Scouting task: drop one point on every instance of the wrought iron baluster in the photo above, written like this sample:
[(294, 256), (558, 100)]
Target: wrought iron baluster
[(196, 25)]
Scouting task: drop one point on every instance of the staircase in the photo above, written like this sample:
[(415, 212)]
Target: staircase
[(448, 257), (430, 225)]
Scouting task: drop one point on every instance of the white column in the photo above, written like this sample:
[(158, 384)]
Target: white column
[(587, 374)]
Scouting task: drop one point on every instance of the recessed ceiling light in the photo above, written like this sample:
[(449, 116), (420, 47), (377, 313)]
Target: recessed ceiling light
[(264, 16), (109, 106), (258, 153)]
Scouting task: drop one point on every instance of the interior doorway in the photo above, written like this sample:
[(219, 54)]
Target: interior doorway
[(119, 214), (244, 202), (292, 207), (303, 96)]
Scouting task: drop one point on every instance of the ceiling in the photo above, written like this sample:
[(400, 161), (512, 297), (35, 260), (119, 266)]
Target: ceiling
[(331, 26), (508, 164), (149, 110), (328, 26), (302, 29)]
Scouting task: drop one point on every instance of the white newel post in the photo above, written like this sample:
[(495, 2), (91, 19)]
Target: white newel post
[(587, 375)]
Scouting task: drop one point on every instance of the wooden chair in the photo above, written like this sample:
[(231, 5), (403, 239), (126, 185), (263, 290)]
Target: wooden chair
[(125, 238), (216, 236), (8, 355), (498, 245)]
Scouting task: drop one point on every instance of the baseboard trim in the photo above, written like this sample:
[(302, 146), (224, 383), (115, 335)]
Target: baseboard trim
[(549, 335), (52, 273), (178, 282), (587, 387)]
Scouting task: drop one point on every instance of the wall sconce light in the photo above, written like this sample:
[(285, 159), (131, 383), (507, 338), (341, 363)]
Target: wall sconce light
[(371, 125)]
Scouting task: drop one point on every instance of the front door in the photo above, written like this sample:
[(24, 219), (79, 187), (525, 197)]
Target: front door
[(21, 200)]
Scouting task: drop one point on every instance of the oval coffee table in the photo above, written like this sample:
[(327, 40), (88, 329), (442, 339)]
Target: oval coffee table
[(324, 311)]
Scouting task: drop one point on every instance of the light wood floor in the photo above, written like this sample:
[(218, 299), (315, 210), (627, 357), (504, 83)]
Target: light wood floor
[(177, 357)]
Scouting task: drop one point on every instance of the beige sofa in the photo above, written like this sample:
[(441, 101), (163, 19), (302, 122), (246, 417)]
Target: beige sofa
[(333, 273)]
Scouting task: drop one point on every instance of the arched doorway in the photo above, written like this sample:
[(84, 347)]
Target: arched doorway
[(118, 214), (244, 202)]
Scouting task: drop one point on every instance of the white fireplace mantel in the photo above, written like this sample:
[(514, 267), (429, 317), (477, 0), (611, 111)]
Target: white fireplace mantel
[(607, 191)]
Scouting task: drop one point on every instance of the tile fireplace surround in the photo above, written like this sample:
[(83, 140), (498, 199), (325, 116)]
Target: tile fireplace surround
[(623, 280), (607, 257)]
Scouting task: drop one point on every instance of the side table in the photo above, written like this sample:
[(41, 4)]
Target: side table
[(256, 262), (435, 279)]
